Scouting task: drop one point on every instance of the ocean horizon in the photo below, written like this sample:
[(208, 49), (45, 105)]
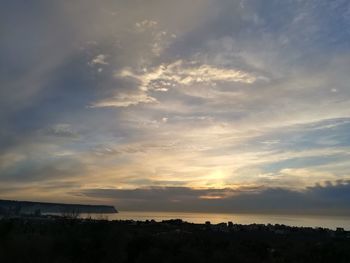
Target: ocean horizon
[(314, 221)]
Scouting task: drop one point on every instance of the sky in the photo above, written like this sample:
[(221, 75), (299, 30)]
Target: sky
[(162, 105)]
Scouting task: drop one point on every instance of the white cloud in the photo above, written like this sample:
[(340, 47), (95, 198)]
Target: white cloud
[(146, 24), (125, 100), (185, 73), (99, 60), (164, 77)]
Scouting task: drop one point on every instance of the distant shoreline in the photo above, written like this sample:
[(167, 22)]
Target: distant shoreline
[(29, 207)]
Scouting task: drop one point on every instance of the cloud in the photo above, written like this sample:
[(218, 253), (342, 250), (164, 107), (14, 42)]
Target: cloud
[(10, 159), (61, 130), (30, 170), (125, 100), (218, 96), (185, 73), (330, 198), (146, 24), (165, 77), (99, 60), (160, 37)]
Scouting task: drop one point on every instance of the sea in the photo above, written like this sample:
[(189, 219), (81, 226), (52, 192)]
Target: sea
[(331, 222)]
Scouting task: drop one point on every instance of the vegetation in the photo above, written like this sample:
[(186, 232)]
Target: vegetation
[(60, 240)]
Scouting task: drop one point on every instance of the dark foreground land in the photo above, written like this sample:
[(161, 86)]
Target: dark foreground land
[(67, 240)]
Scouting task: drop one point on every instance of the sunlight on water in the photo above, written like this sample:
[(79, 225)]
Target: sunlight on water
[(291, 220)]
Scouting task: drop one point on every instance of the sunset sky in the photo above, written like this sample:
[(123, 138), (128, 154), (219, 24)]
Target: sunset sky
[(201, 105)]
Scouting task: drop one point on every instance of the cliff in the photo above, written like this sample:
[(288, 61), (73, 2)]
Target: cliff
[(27, 207)]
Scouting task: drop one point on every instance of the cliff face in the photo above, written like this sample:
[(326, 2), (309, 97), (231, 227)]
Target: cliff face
[(25, 207)]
